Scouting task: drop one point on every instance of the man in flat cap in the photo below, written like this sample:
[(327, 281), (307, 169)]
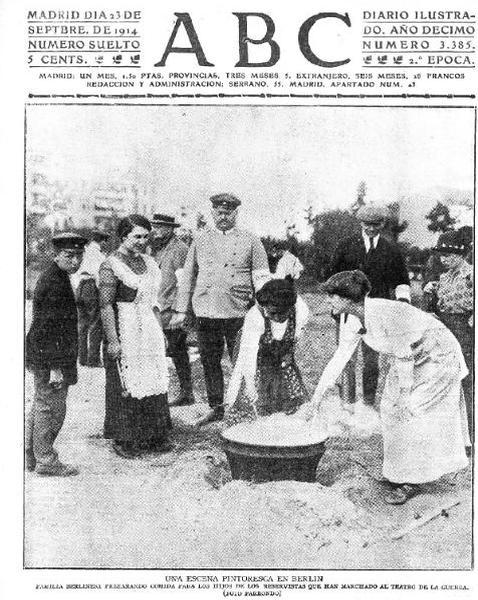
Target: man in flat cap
[(383, 263), (51, 354), (224, 266), (170, 254), (90, 331)]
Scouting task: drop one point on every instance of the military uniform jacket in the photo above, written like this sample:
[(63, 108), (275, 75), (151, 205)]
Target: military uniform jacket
[(384, 265), (52, 341), (221, 273)]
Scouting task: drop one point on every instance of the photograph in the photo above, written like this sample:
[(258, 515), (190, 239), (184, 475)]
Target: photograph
[(248, 336)]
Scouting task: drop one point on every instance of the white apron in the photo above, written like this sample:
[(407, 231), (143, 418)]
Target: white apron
[(143, 353), (425, 432), (423, 413)]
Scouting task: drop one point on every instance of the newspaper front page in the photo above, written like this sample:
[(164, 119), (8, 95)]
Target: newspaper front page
[(252, 143)]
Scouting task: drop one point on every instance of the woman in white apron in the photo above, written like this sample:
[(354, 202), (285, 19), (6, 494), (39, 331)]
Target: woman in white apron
[(422, 409), (136, 410)]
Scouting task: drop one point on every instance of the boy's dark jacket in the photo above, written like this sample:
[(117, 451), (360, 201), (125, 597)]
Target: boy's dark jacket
[(52, 341)]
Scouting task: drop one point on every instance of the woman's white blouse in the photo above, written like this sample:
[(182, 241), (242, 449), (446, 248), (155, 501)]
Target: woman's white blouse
[(390, 327), (254, 324), (253, 328)]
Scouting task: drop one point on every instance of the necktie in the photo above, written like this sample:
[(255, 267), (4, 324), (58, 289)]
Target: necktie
[(371, 248)]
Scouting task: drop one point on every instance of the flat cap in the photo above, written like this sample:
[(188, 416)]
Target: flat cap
[(370, 213), (225, 200), (68, 240), (451, 242)]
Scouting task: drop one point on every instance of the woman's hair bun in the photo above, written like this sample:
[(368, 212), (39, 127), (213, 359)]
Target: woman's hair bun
[(278, 292), (353, 285)]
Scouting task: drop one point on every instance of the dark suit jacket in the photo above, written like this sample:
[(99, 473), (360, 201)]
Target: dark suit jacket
[(52, 341), (384, 266)]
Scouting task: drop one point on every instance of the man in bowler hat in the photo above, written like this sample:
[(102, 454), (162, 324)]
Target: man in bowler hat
[(170, 254), (51, 354), (224, 266), (382, 262)]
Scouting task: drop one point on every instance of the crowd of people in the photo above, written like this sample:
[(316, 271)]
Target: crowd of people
[(138, 303)]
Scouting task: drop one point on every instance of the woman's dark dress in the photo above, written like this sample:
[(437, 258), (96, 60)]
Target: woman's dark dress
[(128, 419), (279, 382)]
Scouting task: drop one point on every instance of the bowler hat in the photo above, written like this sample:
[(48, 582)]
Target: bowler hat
[(371, 214), (68, 240), (451, 242), (99, 236), (225, 200), (159, 219)]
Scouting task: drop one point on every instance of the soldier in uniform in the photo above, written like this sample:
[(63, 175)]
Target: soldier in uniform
[(51, 354), (384, 266), (453, 294), (224, 266), (170, 254)]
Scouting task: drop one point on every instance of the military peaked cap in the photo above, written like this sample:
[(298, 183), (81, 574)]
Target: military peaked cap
[(225, 200), (68, 240)]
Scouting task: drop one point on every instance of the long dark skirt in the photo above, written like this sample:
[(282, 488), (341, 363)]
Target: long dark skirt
[(131, 419), (280, 389)]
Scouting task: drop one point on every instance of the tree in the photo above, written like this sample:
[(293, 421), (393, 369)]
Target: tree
[(394, 227), (360, 199), (328, 229), (309, 215), (440, 219), (416, 257)]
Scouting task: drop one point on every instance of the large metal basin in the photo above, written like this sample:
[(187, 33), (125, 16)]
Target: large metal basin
[(257, 462)]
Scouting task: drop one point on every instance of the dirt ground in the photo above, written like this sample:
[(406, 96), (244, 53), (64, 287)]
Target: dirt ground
[(182, 510)]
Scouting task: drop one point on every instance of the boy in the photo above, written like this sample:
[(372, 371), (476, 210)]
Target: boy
[(51, 354)]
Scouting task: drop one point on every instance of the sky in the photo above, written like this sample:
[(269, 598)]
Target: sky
[(277, 160)]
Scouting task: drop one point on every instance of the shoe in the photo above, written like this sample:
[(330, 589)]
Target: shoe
[(59, 470), (161, 447), (124, 452), (369, 401), (401, 493), (182, 401), (215, 414)]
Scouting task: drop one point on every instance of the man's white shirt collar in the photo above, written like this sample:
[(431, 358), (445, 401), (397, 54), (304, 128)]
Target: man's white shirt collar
[(366, 240)]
